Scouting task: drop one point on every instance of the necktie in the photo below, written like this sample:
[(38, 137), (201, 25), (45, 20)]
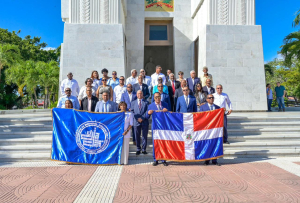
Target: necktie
[(186, 101), (158, 107), (140, 104), (173, 87), (211, 107)]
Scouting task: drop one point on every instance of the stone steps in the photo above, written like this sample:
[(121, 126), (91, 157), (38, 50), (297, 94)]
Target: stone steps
[(28, 136)]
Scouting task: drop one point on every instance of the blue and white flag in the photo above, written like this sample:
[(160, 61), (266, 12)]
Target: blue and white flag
[(88, 138)]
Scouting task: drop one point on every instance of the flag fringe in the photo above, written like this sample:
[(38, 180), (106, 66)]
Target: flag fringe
[(162, 159)]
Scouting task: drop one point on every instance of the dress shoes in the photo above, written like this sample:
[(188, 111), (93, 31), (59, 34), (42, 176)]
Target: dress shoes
[(144, 152), (226, 142), (138, 153), (165, 164), (155, 163), (217, 164)]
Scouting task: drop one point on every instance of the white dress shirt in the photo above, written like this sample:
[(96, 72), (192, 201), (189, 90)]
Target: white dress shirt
[(118, 91), (82, 92), (221, 100), (130, 96), (186, 98), (73, 84), (154, 79), (159, 107), (131, 80)]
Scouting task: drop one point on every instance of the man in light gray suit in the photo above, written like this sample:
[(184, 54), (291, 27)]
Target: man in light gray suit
[(105, 105)]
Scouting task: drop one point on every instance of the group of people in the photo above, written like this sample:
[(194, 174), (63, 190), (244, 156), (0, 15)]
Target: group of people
[(141, 95), (280, 94)]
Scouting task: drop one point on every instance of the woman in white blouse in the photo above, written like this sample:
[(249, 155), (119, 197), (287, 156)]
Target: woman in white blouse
[(127, 132), (82, 92), (96, 80)]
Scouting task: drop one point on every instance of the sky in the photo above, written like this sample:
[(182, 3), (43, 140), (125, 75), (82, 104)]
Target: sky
[(42, 18)]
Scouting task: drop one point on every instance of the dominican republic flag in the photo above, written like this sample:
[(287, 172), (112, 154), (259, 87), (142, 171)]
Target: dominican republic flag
[(188, 136)]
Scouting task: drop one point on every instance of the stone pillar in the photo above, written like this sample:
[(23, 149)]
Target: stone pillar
[(233, 51)]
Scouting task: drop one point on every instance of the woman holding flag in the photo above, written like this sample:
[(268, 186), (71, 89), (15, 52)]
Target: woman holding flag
[(127, 132)]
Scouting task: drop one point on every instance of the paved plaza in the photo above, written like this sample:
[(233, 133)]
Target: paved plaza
[(236, 180)]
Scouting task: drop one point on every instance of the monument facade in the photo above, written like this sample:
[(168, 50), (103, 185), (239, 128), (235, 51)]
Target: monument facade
[(181, 35)]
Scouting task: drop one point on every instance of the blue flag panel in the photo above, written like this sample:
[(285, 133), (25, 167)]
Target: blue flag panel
[(89, 138)]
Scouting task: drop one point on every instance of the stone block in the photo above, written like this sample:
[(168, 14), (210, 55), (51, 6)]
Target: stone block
[(216, 29), (234, 46), (235, 62), (245, 105), (259, 106), (218, 63), (242, 38), (239, 71)]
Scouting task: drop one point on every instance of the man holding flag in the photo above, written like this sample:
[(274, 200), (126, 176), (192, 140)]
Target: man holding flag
[(157, 105), (210, 106)]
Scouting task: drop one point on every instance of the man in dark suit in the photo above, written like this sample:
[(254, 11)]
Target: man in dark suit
[(164, 97), (208, 89), (192, 81), (128, 96), (158, 105), (210, 106), (89, 102), (139, 109), (186, 103), (141, 86), (172, 86), (179, 92)]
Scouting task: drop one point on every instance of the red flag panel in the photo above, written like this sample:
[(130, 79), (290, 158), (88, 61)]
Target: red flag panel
[(209, 120), (169, 150)]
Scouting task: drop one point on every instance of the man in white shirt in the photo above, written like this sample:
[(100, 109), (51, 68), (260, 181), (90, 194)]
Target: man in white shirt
[(221, 99), (133, 78), (71, 83), (119, 90), (156, 75), (146, 79)]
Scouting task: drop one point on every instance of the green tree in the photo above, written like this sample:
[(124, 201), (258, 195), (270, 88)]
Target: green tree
[(48, 79), (297, 19), (9, 56), (291, 48)]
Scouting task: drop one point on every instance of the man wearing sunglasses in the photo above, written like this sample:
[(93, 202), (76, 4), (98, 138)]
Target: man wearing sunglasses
[(157, 105), (68, 96), (186, 103), (221, 99), (210, 106)]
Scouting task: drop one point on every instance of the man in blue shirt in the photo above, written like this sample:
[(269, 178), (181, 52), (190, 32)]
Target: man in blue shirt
[(68, 96), (280, 94), (269, 97)]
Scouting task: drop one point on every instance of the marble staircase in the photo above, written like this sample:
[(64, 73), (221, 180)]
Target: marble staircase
[(27, 136)]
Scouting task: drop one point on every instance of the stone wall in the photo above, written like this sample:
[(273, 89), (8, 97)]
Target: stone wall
[(89, 47), (234, 55)]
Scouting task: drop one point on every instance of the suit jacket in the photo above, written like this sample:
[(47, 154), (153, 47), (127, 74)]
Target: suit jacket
[(85, 103), (146, 93), (165, 98), (169, 84), (179, 93), (111, 106), (212, 90), (205, 107), (181, 105), (189, 82), (154, 107), (125, 98), (137, 113)]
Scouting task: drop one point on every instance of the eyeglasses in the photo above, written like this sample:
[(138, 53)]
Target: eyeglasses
[(180, 74), (142, 71), (121, 79), (219, 88), (104, 80), (185, 90), (159, 86), (114, 74), (67, 90), (210, 97), (157, 97)]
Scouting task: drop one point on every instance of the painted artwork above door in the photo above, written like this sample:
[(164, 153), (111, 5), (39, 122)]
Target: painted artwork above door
[(159, 5)]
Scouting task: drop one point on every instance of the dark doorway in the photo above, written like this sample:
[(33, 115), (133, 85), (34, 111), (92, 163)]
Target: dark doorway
[(196, 51), (161, 55)]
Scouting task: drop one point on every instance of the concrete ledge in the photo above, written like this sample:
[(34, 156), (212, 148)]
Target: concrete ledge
[(24, 111)]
